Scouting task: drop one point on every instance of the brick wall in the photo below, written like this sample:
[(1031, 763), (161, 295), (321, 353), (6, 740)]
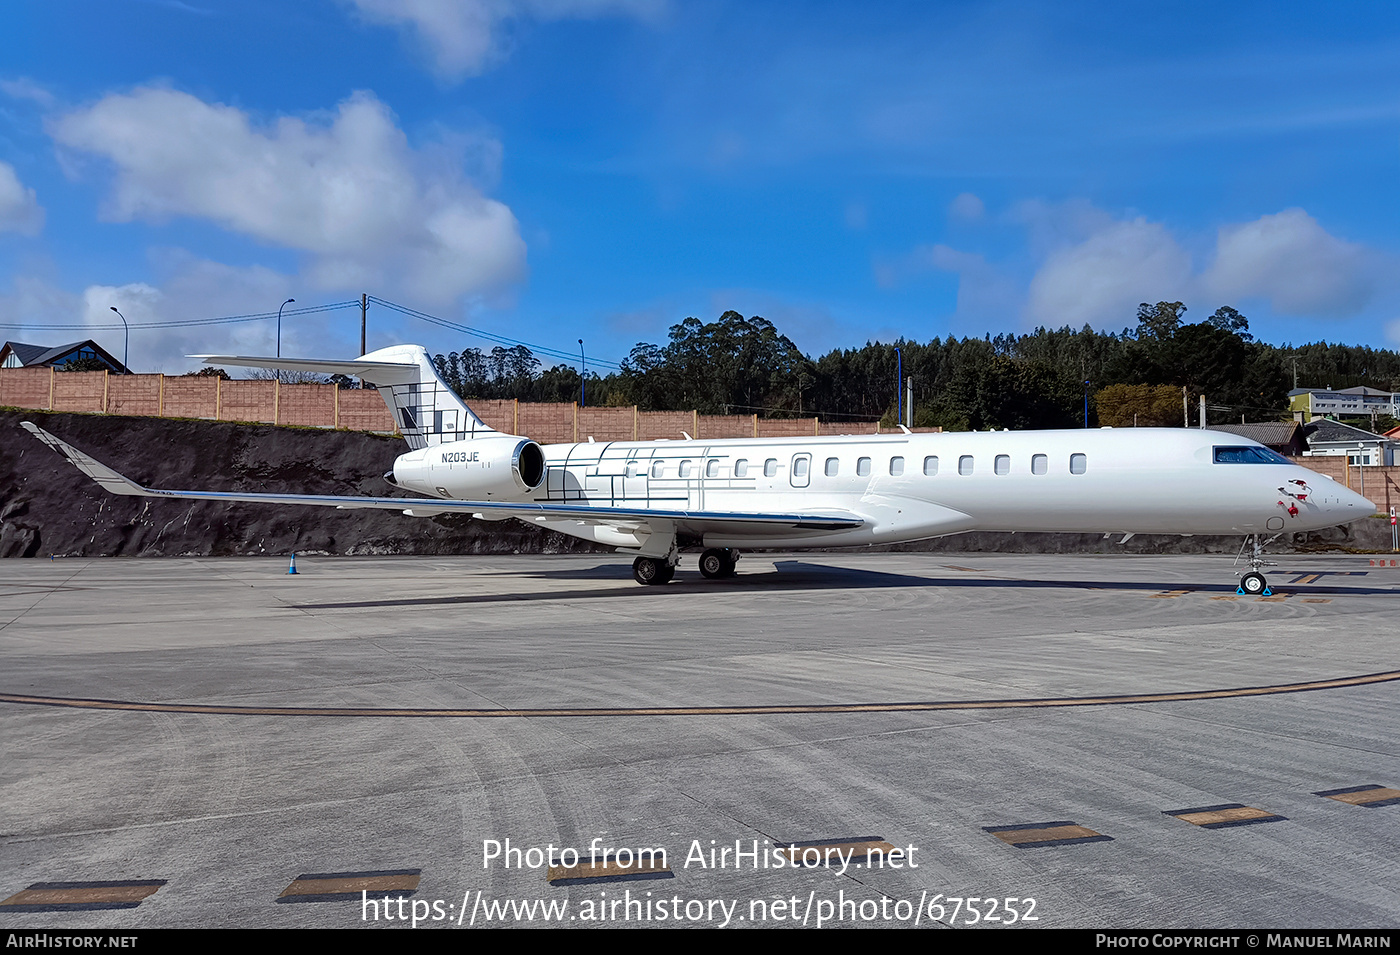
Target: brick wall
[(239, 400), (309, 406), (131, 395), (26, 387), (363, 410), (79, 390), (196, 398)]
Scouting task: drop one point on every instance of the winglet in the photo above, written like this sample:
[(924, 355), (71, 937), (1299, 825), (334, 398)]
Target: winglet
[(99, 472)]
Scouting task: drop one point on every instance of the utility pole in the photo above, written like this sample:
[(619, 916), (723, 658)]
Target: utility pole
[(909, 402), (364, 307)]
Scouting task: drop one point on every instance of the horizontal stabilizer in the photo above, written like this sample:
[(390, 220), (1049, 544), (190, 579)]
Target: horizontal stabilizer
[(379, 372)]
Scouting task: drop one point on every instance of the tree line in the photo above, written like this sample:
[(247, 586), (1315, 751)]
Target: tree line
[(1039, 379)]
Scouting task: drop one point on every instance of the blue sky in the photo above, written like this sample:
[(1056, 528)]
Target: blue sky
[(550, 170)]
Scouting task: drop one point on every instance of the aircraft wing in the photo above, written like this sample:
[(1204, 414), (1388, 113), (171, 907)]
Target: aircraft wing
[(117, 483)]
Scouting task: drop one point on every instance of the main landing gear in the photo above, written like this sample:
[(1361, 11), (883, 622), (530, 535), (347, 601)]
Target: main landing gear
[(715, 563), (653, 570), (1253, 582), (718, 562)]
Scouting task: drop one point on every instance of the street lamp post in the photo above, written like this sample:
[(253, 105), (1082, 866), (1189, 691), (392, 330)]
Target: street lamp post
[(279, 324), (126, 341), (582, 375)]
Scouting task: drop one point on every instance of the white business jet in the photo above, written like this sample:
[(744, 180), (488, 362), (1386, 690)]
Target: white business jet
[(652, 498)]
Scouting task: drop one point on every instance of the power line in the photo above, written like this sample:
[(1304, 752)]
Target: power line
[(310, 310), (489, 336), (194, 322)]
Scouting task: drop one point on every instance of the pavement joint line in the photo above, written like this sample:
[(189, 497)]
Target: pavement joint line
[(1224, 816), (1371, 796), (796, 852), (1036, 835), (81, 896), (351, 886), (608, 868), (732, 710)]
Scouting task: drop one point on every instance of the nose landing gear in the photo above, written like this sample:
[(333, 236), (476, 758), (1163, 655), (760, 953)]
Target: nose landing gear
[(1253, 583)]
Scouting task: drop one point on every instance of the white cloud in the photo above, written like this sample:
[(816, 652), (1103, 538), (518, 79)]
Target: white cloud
[(19, 207), (1289, 259), (463, 37), (967, 208), (25, 88), (369, 211), (1103, 278)]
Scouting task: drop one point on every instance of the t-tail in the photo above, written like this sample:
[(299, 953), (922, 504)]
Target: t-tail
[(426, 410)]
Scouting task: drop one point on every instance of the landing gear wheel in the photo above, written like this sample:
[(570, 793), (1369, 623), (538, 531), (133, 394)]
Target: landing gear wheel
[(713, 564), (650, 571), (718, 562), (1253, 583)]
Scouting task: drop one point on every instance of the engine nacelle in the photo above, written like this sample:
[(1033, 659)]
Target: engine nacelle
[(499, 468)]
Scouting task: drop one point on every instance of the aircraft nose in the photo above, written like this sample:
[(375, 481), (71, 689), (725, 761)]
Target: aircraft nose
[(1356, 505)]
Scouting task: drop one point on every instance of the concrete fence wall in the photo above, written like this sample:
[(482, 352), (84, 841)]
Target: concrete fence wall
[(326, 406)]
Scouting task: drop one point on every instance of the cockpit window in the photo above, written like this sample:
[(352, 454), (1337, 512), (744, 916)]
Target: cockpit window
[(1248, 455)]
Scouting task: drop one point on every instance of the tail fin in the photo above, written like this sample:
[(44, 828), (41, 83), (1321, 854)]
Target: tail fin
[(425, 409)]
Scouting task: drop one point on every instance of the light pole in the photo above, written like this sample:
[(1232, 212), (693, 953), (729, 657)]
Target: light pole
[(279, 324), (1086, 402), (126, 341), (582, 375)]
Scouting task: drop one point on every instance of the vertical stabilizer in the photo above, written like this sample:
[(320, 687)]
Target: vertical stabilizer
[(427, 411)]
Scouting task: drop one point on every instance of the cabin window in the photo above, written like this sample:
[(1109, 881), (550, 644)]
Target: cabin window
[(685, 469), (1039, 464), (931, 465), (896, 467), (965, 464), (741, 468), (1002, 464), (863, 467), (770, 467), (657, 469), (633, 469), (712, 468), (1077, 463), (799, 466), (833, 465)]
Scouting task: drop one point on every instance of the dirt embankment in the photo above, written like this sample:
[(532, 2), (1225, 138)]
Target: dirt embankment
[(49, 508)]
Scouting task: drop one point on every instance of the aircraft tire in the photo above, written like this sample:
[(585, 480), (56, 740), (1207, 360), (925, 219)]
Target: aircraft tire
[(714, 565), (1253, 583), (650, 571)]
